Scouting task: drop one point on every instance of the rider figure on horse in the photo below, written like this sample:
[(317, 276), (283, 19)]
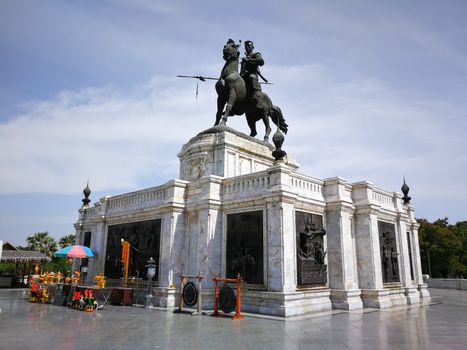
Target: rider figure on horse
[(249, 71), (241, 93)]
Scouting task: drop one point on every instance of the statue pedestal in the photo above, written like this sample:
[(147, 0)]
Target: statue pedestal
[(225, 152)]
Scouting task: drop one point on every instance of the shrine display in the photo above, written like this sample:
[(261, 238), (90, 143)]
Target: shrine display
[(84, 301), (38, 293), (100, 280)]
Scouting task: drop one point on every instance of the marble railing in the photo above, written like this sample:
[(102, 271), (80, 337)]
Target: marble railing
[(153, 196), (306, 186), (383, 198), (91, 211), (247, 183), (259, 182)]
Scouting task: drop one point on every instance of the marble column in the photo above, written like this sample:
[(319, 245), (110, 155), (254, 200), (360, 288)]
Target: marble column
[(280, 246), (411, 293), (422, 287), (370, 278), (345, 293), (280, 232)]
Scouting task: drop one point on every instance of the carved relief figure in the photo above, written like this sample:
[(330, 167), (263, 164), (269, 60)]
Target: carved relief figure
[(311, 246), (389, 256), (196, 168), (394, 262), (386, 257)]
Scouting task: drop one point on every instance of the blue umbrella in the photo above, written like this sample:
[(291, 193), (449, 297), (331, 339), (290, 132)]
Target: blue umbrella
[(75, 251)]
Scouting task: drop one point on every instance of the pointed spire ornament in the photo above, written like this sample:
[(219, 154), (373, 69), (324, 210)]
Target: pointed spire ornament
[(87, 193), (405, 190)]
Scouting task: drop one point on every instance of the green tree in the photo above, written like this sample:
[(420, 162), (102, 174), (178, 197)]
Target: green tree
[(67, 240), (42, 242), (443, 247), (461, 232)]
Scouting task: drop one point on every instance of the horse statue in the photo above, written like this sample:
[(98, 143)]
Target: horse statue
[(232, 93)]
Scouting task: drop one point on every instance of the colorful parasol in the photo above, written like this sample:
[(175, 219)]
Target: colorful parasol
[(75, 251)]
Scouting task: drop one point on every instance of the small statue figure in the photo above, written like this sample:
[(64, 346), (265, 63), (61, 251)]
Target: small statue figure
[(249, 71)]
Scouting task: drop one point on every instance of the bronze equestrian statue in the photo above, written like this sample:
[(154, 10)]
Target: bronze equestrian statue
[(232, 91)]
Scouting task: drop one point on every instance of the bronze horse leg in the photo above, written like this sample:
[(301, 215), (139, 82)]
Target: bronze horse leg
[(220, 107), (228, 106), (265, 117), (250, 118)]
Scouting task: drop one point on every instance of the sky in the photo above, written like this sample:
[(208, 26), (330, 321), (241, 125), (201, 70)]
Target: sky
[(371, 90)]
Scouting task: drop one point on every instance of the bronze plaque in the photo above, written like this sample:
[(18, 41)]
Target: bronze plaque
[(245, 246), (388, 248), (311, 269), (309, 273)]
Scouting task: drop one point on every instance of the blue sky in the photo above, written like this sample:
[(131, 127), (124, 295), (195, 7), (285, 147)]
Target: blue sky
[(372, 90)]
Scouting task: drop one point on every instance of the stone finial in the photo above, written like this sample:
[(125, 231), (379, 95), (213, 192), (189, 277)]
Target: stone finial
[(278, 139), (87, 193), (405, 190)]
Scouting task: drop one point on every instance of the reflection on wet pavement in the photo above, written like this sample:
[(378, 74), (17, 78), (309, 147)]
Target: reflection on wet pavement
[(25, 325)]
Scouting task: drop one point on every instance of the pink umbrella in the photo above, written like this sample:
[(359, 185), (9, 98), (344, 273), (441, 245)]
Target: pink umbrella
[(75, 251)]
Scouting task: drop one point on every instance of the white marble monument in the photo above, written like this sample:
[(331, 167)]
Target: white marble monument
[(302, 244)]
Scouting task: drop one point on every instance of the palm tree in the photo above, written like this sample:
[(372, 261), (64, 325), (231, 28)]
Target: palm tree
[(42, 242), (67, 240)]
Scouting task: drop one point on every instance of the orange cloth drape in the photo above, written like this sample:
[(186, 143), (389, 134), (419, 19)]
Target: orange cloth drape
[(125, 259)]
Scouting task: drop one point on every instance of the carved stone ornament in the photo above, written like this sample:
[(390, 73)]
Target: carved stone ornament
[(195, 168)]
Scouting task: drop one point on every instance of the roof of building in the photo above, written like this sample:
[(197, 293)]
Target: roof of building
[(21, 256)]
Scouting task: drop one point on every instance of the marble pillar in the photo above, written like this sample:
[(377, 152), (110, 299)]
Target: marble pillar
[(345, 293)]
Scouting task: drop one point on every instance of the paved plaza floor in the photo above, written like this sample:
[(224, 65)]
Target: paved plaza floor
[(30, 326)]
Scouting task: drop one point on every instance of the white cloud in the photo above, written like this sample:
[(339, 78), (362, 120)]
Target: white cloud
[(359, 129), (101, 134)]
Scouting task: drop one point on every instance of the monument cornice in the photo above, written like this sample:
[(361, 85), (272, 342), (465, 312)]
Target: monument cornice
[(98, 219), (246, 205), (276, 195), (340, 206), (367, 209), (303, 203), (205, 204), (113, 220)]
